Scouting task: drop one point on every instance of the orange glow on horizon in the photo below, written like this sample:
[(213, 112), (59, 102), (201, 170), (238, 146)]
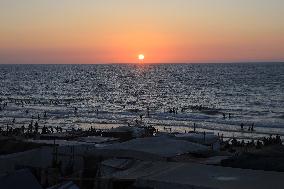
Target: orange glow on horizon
[(116, 32)]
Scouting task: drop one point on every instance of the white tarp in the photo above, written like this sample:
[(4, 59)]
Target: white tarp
[(163, 146), (201, 138)]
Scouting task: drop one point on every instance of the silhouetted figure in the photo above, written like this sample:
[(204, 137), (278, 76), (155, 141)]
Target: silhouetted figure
[(278, 139), (234, 142), (224, 116), (30, 127), (258, 144), (229, 115), (23, 129), (36, 127), (141, 117), (44, 130), (242, 143), (252, 127), (194, 127), (270, 139), (148, 112), (242, 126), (45, 115)]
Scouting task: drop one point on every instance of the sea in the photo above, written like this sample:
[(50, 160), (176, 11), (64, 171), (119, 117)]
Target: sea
[(175, 96)]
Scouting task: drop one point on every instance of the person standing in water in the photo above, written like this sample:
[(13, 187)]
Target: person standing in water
[(242, 126), (252, 127), (148, 112)]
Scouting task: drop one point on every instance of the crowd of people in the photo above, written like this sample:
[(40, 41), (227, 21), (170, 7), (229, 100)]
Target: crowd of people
[(265, 141), (35, 128), (250, 128), (31, 129)]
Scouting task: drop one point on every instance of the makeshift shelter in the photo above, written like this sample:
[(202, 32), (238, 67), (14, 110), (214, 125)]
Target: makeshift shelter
[(163, 147), (209, 139)]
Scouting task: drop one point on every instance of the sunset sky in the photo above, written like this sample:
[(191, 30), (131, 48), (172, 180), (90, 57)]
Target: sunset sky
[(117, 31)]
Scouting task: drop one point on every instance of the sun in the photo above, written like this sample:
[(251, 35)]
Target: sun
[(141, 57)]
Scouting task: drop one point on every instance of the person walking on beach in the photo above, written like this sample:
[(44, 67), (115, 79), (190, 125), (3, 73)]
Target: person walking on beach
[(224, 116)]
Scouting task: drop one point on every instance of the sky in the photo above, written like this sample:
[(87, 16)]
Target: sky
[(117, 31)]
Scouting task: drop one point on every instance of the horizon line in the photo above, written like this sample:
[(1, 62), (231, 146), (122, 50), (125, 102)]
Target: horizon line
[(145, 63)]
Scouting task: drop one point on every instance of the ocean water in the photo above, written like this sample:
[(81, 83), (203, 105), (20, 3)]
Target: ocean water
[(119, 93)]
